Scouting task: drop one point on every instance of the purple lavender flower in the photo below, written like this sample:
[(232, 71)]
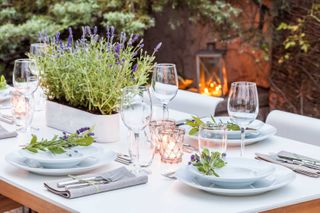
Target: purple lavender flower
[(117, 50), (57, 37), (108, 32), (95, 30), (156, 49), (83, 33), (141, 45), (81, 130), (40, 37), (135, 38), (134, 68), (112, 34), (123, 37), (88, 30), (69, 38)]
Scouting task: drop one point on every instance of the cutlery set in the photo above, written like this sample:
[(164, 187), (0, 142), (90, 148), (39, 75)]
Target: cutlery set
[(298, 163), (84, 182)]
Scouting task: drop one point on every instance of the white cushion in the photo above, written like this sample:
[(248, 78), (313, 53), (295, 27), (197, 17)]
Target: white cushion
[(195, 103), (294, 126)]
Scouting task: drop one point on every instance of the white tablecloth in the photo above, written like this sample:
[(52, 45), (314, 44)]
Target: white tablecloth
[(161, 194)]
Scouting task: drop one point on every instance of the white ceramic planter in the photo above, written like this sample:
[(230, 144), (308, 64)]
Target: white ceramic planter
[(69, 119)]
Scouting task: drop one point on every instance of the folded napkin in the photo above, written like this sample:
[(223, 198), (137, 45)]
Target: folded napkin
[(127, 179), (296, 168), (6, 134)]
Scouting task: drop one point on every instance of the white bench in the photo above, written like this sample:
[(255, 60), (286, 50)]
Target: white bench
[(296, 127)]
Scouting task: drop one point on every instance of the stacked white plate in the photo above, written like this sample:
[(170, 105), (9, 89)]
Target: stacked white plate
[(74, 161), (240, 177), (258, 131)]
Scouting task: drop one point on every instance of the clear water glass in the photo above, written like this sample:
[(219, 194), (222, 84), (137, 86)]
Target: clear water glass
[(25, 76), (243, 106), (213, 137), (136, 112), (39, 50), (164, 85), (25, 80)]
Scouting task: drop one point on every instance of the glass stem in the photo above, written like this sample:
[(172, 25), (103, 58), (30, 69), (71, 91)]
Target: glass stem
[(242, 141), (165, 111), (134, 152)]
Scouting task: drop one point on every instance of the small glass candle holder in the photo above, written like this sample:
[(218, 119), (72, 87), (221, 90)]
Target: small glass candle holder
[(22, 110), (154, 128), (171, 145)]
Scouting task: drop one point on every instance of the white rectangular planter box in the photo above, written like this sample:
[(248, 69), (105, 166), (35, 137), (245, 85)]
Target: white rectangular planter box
[(69, 119)]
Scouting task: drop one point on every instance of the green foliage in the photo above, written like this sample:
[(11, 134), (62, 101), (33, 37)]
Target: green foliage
[(207, 162), (296, 37), (196, 122), (3, 82), (90, 74), (58, 145)]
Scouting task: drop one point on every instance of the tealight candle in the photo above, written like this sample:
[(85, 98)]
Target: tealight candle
[(171, 143), (20, 108), (157, 125)]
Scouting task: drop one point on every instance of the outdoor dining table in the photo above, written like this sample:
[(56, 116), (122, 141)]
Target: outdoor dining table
[(160, 194)]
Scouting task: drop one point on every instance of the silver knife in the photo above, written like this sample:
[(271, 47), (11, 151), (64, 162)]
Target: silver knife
[(294, 156)]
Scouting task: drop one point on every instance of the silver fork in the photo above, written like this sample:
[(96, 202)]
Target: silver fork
[(102, 180), (170, 175)]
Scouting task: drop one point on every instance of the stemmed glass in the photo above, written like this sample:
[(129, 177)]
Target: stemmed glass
[(39, 50), (243, 106), (136, 112), (165, 85), (25, 81)]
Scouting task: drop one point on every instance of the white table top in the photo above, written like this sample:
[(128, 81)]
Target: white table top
[(161, 194)]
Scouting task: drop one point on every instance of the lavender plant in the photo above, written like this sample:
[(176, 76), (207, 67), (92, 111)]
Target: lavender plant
[(89, 73)]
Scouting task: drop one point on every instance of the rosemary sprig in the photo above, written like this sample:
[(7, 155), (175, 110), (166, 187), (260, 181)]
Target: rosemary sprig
[(58, 145), (196, 122)]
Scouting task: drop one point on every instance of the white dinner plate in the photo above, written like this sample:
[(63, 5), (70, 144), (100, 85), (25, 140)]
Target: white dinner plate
[(264, 131), (281, 177), (84, 166), (69, 159), (237, 173)]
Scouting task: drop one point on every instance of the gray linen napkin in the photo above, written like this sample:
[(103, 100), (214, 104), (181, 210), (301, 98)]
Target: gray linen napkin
[(6, 134), (128, 179), (296, 168)]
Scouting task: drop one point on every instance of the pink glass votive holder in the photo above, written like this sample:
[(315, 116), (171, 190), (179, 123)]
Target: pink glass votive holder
[(21, 108), (171, 145), (154, 128)]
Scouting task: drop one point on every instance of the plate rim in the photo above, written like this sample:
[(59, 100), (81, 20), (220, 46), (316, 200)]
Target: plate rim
[(62, 171), (65, 160), (239, 192)]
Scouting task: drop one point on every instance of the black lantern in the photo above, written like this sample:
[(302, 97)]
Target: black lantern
[(211, 71)]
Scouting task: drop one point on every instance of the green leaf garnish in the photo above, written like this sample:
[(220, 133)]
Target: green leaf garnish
[(207, 162), (196, 122), (58, 145)]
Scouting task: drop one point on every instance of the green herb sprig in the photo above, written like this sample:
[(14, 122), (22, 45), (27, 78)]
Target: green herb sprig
[(58, 145), (196, 122), (3, 82), (207, 162)]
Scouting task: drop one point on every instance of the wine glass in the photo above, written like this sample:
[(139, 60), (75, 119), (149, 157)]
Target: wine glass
[(39, 50), (165, 85), (25, 81), (136, 112), (243, 106), (25, 76)]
